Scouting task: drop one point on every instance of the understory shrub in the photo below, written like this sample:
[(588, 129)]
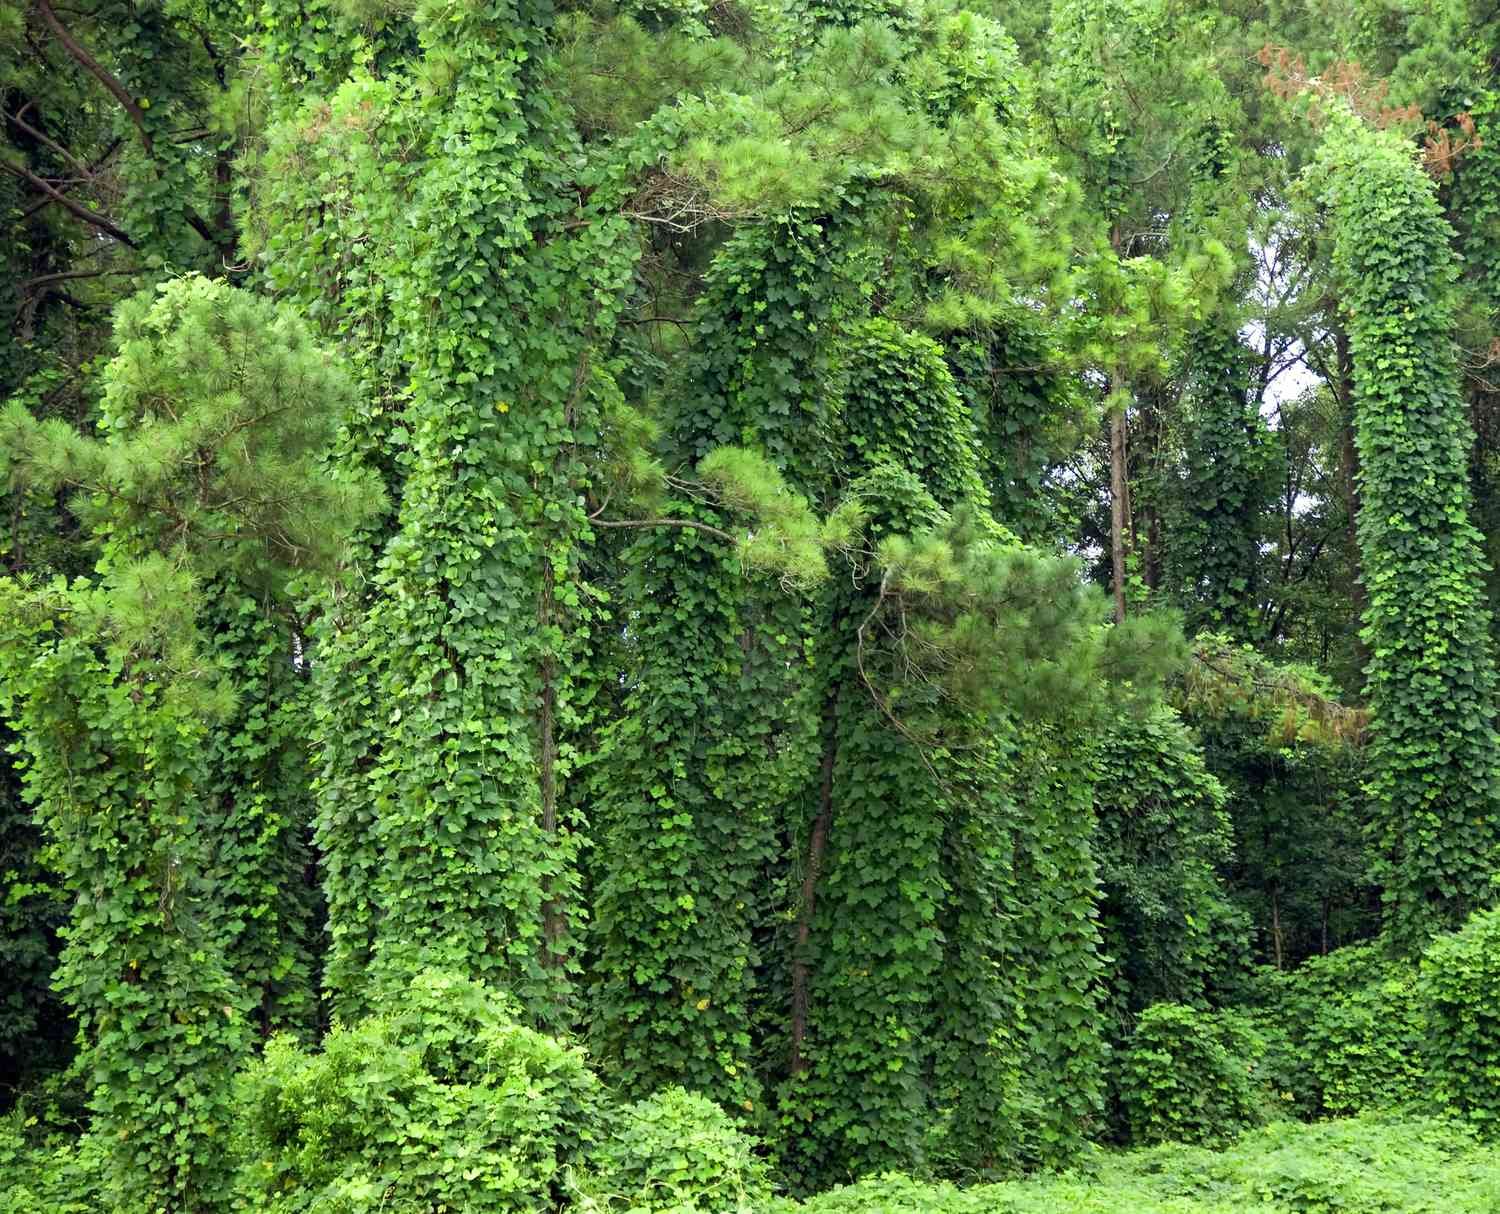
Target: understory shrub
[(1345, 1034), (1460, 996), (1366, 1165), (1190, 1076), (1162, 835), (675, 1152), (445, 1103), (39, 1172)]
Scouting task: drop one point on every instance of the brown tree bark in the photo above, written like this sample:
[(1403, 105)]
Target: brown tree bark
[(1276, 926), (85, 59), (817, 845), (1117, 496)]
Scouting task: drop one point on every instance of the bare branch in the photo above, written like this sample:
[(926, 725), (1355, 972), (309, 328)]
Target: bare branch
[(81, 54), (76, 208), (46, 279), (666, 522), (79, 165)]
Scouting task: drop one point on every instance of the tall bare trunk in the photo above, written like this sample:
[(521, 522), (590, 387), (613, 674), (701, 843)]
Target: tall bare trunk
[(1117, 494), (1276, 926), (1119, 484), (817, 844)]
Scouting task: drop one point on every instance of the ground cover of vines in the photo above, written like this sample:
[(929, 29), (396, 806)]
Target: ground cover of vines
[(769, 605)]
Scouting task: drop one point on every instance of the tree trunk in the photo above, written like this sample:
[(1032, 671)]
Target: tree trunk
[(1154, 550), (1349, 469), (1117, 492), (1276, 926), (554, 913), (1119, 485), (817, 844)]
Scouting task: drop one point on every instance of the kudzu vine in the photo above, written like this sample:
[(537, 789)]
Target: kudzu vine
[(159, 775), (1162, 836), (161, 1019), (259, 859), (451, 813), (1433, 749), (1217, 503), (714, 744)]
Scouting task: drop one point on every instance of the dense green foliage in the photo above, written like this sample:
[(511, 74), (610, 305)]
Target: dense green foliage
[(1422, 1167), (1346, 1033), (1186, 1077), (1219, 500), (750, 606), (442, 1099), (1458, 988), (1433, 750), (1162, 833)]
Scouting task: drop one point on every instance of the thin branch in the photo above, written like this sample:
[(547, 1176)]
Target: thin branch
[(656, 320), (196, 222), (91, 170), (76, 208), (666, 522), (94, 68), (118, 91), (45, 279), (881, 703), (18, 121), (34, 290)]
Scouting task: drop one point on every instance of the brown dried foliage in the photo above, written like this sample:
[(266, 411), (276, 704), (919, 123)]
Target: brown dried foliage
[(1444, 145), (1346, 81), (1287, 76)]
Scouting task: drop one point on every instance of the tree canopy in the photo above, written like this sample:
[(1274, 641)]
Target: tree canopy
[(668, 606)]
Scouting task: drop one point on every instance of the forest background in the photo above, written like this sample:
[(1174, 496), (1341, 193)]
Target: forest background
[(673, 605)]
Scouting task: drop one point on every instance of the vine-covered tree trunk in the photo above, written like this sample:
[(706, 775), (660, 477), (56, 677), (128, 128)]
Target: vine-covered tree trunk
[(116, 766), (1118, 497), (716, 738), (466, 647), (911, 1036), (694, 783), (1056, 942), (258, 785), (860, 1102), (1223, 490), (1434, 750), (1349, 480)]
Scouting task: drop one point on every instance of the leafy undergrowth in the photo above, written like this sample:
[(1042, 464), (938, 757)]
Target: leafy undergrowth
[(1365, 1165), (1374, 1164)]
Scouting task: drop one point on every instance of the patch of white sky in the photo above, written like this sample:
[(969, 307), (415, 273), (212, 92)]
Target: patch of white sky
[(1285, 372)]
